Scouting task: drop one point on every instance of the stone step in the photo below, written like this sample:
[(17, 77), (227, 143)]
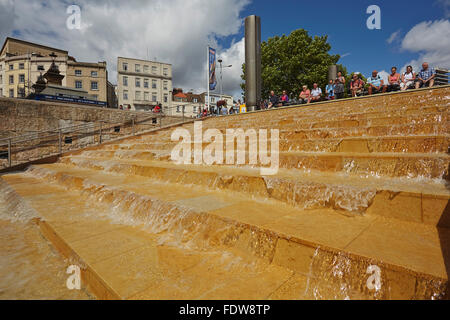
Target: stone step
[(394, 198), (338, 122), (408, 165), (325, 133), (400, 144), (290, 253)]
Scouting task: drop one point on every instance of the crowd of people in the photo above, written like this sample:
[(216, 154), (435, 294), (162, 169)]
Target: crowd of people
[(336, 89)]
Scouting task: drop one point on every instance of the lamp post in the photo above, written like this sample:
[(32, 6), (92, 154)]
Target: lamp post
[(221, 76)]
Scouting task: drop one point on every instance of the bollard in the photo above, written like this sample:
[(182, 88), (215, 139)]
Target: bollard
[(9, 153), (100, 137), (59, 141)]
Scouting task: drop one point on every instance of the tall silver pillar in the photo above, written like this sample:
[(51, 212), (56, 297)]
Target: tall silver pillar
[(252, 62), (332, 72)]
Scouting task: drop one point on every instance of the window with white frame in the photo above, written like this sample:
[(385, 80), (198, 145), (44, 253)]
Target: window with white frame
[(125, 81), (154, 97), (125, 66), (21, 66), (125, 95), (138, 68), (78, 84), (154, 69), (146, 83), (146, 96), (94, 85), (138, 95), (11, 93), (138, 82), (146, 69), (166, 83), (166, 71), (166, 97), (11, 79), (21, 78), (78, 73), (11, 66), (154, 83), (94, 74)]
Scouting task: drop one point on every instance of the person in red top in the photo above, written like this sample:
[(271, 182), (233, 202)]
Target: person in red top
[(305, 95), (157, 109), (356, 86), (394, 80)]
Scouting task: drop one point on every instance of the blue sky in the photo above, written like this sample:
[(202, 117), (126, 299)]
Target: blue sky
[(345, 24)]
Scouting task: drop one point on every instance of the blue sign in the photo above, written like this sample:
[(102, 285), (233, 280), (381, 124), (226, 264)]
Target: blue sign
[(212, 69), (46, 97)]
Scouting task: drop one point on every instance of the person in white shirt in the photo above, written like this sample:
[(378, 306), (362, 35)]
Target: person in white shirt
[(316, 93), (408, 79)]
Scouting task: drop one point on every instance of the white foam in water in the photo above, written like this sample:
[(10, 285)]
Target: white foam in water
[(12, 207)]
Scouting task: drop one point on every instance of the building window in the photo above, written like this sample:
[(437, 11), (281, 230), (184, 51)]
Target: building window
[(21, 92), (165, 85), (125, 95), (138, 95), (194, 109), (21, 66), (195, 100), (166, 72), (1, 79), (166, 98), (11, 79), (154, 97), (40, 67), (78, 73), (138, 82), (21, 78), (146, 69), (94, 74), (138, 68), (213, 100), (154, 84), (95, 97), (146, 96), (94, 85), (125, 66), (125, 81), (178, 109), (154, 69), (78, 84), (11, 93), (11, 66), (146, 83)]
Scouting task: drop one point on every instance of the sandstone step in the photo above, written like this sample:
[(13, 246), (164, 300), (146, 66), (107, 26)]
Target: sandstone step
[(332, 122), (323, 133), (287, 246), (410, 165), (401, 144), (395, 198)]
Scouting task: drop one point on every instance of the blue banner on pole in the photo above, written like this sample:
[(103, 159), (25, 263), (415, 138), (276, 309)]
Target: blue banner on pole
[(212, 69)]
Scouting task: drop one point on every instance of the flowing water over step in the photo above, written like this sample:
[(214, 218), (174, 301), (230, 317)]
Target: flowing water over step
[(358, 210)]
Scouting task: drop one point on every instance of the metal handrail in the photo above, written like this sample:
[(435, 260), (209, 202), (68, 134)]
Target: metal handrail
[(52, 136)]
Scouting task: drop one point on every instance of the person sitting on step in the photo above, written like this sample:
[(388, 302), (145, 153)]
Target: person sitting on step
[(394, 80), (376, 83), (356, 86), (316, 93), (408, 79), (305, 95), (426, 76)]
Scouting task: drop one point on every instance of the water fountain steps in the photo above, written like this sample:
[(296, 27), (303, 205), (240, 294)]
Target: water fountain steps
[(422, 203), (401, 144), (422, 165), (283, 237)]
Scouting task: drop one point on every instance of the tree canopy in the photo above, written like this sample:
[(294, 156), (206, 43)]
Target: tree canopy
[(289, 62)]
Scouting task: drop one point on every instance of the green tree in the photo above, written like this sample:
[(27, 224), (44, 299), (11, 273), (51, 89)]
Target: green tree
[(289, 62)]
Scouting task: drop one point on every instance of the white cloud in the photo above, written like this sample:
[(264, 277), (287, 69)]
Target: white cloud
[(431, 40), (394, 36), (384, 75), (445, 5), (174, 31)]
